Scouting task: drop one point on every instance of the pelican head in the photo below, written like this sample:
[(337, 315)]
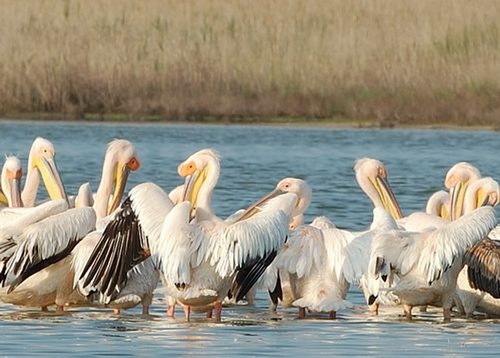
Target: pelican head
[(299, 187), (121, 157), (458, 178), (42, 158), (11, 181), (482, 192), (200, 170), (371, 176), (438, 204)]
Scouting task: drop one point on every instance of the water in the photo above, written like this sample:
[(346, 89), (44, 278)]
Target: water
[(254, 159)]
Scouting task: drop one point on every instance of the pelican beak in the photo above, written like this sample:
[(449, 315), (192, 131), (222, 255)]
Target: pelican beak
[(50, 176), (444, 212), (194, 179), (387, 196), (255, 207), (15, 189), (121, 177), (485, 198), (3, 198), (457, 195)]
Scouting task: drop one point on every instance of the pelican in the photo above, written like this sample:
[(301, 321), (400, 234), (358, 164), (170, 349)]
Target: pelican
[(371, 176), (57, 235), (273, 280), (477, 286), (41, 162), (11, 181), (438, 204), (201, 256), (28, 251), (457, 179), (428, 263)]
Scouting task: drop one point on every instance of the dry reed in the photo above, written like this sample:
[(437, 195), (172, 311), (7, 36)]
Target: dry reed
[(388, 60)]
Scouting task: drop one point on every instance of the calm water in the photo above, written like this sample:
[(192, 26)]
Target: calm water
[(254, 159)]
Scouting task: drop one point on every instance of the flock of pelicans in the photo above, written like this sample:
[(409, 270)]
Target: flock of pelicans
[(98, 249)]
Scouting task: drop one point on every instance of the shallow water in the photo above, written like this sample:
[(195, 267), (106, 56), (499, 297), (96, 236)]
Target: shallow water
[(254, 159)]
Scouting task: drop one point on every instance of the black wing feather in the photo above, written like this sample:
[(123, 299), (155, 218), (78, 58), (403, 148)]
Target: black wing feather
[(122, 245), (483, 261), (249, 274)]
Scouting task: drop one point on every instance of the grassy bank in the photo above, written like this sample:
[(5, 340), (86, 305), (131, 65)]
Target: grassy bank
[(394, 62)]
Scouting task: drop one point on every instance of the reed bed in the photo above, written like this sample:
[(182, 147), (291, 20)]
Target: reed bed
[(391, 61)]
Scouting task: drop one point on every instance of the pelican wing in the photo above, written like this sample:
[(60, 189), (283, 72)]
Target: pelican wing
[(303, 251), (483, 261), (246, 248), (125, 241), (47, 242), (177, 249), (446, 244)]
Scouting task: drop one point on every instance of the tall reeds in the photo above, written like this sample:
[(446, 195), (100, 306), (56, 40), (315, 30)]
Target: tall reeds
[(387, 60)]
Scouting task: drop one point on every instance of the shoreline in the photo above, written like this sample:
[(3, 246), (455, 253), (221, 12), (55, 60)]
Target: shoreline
[(341, 123)]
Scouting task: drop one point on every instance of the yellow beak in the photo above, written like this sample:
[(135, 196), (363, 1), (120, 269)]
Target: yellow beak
[(387, 196), (50, 176)]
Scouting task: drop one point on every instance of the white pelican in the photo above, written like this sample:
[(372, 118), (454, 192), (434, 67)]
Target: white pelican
[(203, 258), (41, 161), (30, 250), (52, 282), (438, 204), (481, 266), (273, 280), (11, 181), (371, 176), (428, 263), (457, 179), (323, 261)]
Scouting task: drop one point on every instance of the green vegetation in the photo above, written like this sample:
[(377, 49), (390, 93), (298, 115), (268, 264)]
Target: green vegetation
[(394, 62)]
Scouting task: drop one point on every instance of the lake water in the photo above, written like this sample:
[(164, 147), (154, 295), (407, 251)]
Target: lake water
[(254, 159)]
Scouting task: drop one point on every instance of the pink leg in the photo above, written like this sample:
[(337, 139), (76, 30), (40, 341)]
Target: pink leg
[(374, 309), (45, 309), (209, 313), (447, 314), (333, 315), (187, 312), (218, 310), (116, 311), (171, 311), (59, 308), (302, 312), (407, 310)]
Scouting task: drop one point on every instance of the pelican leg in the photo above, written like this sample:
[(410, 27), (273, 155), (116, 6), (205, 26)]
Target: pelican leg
[(44, 309), (147, 300), (447, 314), (209, 313), (407, 311), (374, 309), (218, 310), (187, 312), (333, 315), (422, 308), (302, 312), (171, 311), (116, 311), (59, 308)]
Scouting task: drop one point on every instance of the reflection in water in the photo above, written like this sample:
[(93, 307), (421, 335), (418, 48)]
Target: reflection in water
[(254, 159)]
